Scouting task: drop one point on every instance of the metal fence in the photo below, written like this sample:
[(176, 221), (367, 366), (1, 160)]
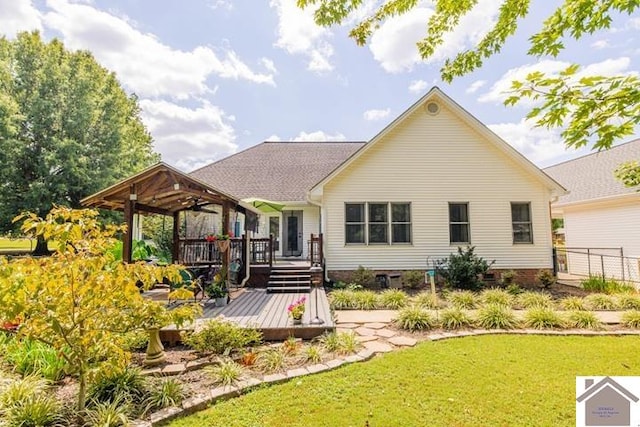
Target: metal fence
[(606, 262)]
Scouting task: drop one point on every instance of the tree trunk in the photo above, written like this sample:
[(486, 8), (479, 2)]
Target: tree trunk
[(41, 247), (82, 392)]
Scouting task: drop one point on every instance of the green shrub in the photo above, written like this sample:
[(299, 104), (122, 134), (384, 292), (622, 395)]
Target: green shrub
[(465, 300), (342, 299), (413, 278), (603, 285), (464, 269), (628, 301), (428, 300), (514, 289), (455, 318), (543, 318), (393, 299), (363, 277), (496, 316), (272, 360), (28, 402), (531, 299), (415, 319), (496, 296), (221, 337), (167, 393), (127, 384), (546, 278), (600, 302), (365, 300), (631, 319), (340, 342), (584, 320), (507, 278), (313, 354), (228, 372), (108, 414), (33, 357), (573, 303), (135, 340)]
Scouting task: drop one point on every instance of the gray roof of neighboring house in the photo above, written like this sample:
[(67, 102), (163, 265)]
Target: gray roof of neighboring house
[(278, 171), (591, 176)]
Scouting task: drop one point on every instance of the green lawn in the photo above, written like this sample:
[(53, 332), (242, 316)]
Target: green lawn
[(494, 380)]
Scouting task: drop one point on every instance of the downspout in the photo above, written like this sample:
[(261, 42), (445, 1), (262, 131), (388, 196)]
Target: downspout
[(319, 205)]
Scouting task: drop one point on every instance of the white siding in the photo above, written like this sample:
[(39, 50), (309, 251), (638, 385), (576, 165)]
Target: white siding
[(430, 161)]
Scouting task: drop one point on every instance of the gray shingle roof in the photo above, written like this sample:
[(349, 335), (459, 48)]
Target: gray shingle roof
[(591, 176), (278, 171)]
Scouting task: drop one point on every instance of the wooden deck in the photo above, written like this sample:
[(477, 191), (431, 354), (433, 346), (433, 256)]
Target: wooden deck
[(267, 312)]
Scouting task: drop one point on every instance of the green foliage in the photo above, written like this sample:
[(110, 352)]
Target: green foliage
[(28, 402), (168, 393), (496, 316), (496, 296), (363, 277), (365, 300), (135, 340), (33, 357), (127, 384), (455, 318), (221, 337), (313, 354), (413, 278), (228, 372), (392, 299), (546, 278), (342, 299), (600, 302), (340, 342), (428, 300), (543, 318), (628, 302), (415, 319), (465, 300), (604, 285), (591, 108), (514, 289), (534, 300), (272, 360), (67, 128), (629, 173), (584, 320), (507, 278), (464, 269), (108, 414), (573, 303), (631, 319)]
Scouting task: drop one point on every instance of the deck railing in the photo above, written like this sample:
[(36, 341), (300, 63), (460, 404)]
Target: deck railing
[(203, 252)]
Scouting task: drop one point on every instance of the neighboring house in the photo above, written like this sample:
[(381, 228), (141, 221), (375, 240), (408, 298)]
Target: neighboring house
[(599, 212), (434, 179)]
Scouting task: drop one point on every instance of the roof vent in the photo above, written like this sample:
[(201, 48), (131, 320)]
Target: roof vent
[(433, 108)]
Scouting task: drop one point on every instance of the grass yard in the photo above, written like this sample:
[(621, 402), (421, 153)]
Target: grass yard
[(493, 380)]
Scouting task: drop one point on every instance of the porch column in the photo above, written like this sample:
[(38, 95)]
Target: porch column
[(175, 251), (129, 209), (225, 230)]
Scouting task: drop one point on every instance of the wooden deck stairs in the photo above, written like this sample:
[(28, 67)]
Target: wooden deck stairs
[(289, 279)]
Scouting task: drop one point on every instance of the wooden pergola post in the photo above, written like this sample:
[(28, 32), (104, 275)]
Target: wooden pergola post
[(129, 210), (175, 255)]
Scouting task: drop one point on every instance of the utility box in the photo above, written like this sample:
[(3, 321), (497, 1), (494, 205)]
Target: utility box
[(395, 280)]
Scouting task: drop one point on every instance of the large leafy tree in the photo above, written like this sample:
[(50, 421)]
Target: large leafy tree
[(67, 128), (591, 109)]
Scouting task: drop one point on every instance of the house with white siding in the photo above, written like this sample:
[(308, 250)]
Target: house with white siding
[(600, 213), (434, 179)]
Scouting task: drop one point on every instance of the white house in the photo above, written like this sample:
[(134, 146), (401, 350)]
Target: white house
[(434, 179), (600, 214)]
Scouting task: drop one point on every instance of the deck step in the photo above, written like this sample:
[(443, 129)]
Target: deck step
[(276, 289), (286, 271), (274, 283), (291, 276)]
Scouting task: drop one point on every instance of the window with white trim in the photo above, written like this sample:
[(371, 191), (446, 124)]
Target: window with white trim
[(521, 222), (459, 223), (374, 223), (354, 222)]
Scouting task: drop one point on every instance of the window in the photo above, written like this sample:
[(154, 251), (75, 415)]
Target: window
[(459, 223), (354, 223), (401, 222), (521, 220), (377, 223)]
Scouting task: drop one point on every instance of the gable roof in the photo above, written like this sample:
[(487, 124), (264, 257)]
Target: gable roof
[(278, 171), (600, 385), (591, 177), (436, 93)]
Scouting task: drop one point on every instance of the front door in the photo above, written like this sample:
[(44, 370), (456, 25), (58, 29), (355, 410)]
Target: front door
[(292, 233)]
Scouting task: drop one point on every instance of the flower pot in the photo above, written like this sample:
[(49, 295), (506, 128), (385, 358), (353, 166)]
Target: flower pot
[(155, 350), (297, 321), (223, 245), (221, 301)]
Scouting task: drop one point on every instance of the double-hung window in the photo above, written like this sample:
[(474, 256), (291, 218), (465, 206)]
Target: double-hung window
[(521, 222), (377, 223), (459, 223)]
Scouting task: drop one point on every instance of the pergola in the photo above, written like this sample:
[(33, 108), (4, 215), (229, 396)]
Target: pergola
[(162, 189)]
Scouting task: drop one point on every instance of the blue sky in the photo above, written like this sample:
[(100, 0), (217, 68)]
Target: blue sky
[(218, 76)]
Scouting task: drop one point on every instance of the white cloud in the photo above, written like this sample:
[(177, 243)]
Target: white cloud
[(17, 16), (220, 4), (189, 137), (376, 114), (600, 44), (318, 136), (299, 34), (418, 86), (143, 63), (499, 90), (394, 44), (273, 138), (473, 88), (634, 23), (539, 145), (269, 65)]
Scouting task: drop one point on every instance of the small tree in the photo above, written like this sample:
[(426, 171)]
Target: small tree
[(464, 269), (81, 300)]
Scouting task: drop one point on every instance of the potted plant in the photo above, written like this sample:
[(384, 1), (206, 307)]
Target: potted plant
[(217, 290), (296, 310)]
